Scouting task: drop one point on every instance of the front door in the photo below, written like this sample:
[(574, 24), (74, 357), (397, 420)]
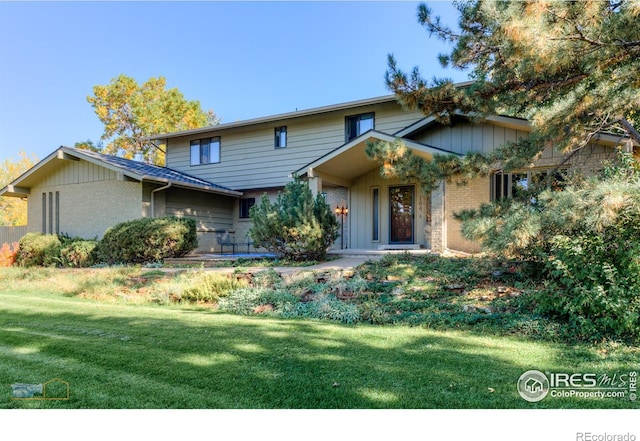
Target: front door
[(401, 209)]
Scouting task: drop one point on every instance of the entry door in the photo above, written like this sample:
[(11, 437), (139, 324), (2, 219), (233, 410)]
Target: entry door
[(401, 209)]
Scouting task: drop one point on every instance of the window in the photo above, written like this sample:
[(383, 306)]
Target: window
[(280, 137), (375, 214), (245, 207), (356, 125), (513, 185), (205, 151), (51, 213)]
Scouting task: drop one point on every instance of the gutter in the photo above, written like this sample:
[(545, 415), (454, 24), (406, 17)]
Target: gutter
[(153, 214)]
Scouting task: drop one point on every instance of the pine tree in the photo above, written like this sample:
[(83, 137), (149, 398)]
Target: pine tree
[(569, 67), (297, 226)]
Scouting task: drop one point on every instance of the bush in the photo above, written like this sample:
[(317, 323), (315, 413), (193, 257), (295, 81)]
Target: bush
[(78, 253), (297, 227), (148, 240), (37, 249), (210, 287), (8, 254)]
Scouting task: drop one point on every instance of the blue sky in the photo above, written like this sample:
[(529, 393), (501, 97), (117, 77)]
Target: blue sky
[(241, 59)]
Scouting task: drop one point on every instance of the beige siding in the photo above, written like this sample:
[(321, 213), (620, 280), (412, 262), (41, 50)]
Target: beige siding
[(250, 161), (91, 198)]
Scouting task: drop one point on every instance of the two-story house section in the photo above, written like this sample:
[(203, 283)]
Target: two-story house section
[(326, 146), (215, 174)]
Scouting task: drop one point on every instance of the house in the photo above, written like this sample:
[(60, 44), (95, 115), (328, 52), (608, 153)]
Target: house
[(326, 146), (216, 174), (82, 193)]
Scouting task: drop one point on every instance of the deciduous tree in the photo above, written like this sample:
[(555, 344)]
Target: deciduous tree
[(132, 112), (13, 211)]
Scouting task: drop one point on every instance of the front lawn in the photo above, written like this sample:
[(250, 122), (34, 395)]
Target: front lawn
[(127, 355)]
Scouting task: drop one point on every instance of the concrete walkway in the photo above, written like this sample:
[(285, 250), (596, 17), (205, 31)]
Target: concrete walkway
[(341, 261)]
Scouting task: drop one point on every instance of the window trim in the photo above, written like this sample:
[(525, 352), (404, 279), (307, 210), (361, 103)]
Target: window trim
[(358, 117), (211, 141), (278, 132)]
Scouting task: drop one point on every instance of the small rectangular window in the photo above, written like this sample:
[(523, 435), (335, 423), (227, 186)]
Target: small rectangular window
[(205, 151), (44, 213), (245, 207), (57, 223), (50, 214), (356, 125), (375, 214), (280, 137)]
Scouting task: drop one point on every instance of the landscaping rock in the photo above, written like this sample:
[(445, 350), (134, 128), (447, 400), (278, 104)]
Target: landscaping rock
[(261, 309), (455, 286)]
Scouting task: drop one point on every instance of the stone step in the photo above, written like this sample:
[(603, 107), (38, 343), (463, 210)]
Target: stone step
[(399, 247)]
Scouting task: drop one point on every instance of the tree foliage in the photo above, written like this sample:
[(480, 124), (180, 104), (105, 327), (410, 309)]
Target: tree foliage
[(132, 112), (297, 226), (584, 240), (13, 211), (570, 68)]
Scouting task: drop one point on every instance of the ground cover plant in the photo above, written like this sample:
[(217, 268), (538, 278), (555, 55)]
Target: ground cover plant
[(118, 351)]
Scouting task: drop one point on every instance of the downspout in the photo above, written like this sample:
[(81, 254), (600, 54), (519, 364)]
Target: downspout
[(153, 209)]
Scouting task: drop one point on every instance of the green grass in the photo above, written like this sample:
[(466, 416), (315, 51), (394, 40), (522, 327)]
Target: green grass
[(118, 354)]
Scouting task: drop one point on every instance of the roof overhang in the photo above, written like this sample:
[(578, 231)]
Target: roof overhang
[(499, 120), (342, 165), (21, 186)]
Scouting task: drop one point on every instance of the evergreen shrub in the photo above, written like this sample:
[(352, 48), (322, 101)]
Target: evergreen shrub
[(148, 240), (297, 226)]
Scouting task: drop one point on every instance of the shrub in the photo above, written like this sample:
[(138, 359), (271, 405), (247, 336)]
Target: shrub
[(8, 254), (78, 253), (585, 241), (148, 240), (37, 249), (210, 287), (296, 227), (245, 301)]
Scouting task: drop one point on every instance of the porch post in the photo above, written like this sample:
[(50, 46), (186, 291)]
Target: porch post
[(438, 220), (315, 184)]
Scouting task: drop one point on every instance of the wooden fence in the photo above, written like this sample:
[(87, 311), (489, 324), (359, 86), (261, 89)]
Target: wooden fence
[(12, 234)]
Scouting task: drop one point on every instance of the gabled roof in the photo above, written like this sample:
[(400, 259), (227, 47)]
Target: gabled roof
[(504, 121), (135, 170), (349, 161)]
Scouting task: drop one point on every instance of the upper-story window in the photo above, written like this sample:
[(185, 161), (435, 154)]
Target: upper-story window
[(205, 151), (356, 125), (280, 137), (514, 185)]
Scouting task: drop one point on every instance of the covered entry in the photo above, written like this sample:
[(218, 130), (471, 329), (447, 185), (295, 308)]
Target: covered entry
[(382, 212)]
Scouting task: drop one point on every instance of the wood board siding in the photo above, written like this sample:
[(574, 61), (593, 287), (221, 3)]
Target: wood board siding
[(464, 137), (250, 161), (212, 213)]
